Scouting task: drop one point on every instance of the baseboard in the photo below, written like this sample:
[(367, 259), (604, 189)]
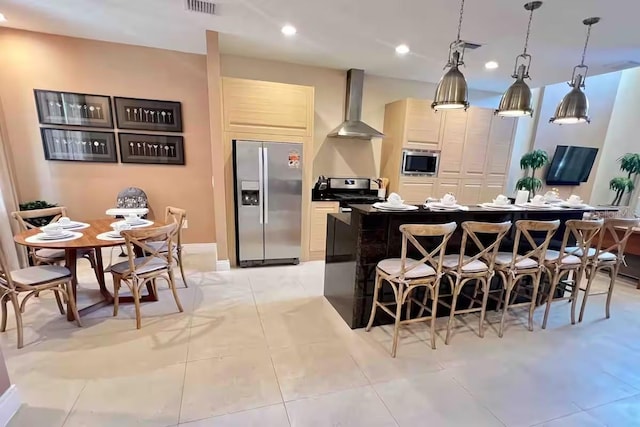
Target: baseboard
[(9, 405), (199, 248), (223, 265)]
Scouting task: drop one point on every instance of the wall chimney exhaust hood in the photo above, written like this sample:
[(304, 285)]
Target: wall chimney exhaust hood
[(353, 126)]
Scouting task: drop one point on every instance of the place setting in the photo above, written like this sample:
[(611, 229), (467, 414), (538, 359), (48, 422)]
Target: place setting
[(114, 235), (448, 202), (537, 202), (52, 233), (574, 202), (132, 221), (394, 203), (500, 203)]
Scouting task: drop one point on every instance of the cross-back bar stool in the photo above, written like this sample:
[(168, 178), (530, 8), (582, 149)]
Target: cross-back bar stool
[(407, 274), (512, 267), (608, 258), (559, 265), (461, 269)]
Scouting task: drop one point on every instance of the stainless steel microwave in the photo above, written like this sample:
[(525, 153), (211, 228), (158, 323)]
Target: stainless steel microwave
[(420, 162)]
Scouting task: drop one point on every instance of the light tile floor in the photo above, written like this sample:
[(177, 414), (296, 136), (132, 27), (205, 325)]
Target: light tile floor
[(262, 347)]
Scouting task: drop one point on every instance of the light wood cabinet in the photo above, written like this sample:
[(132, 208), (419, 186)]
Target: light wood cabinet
[(475, 151), (476, 144), (415, 190), (455, 126), (318, 227), (267, 108), (423, 125)]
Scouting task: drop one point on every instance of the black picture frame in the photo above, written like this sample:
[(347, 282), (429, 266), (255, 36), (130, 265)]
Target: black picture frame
[(79, 145), (151, 149), (73, 109), (148, 114)]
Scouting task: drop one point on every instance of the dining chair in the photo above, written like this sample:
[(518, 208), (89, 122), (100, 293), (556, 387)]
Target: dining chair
[(513, 268), (137, 272), (31, 281), (461, 269), (607, 258), (177, 216), (569, 261), (405, 275)]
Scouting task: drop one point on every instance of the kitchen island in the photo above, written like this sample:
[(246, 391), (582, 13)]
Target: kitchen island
[(356, 242)]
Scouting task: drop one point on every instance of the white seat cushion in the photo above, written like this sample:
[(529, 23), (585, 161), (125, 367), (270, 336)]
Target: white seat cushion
[(161, 246), (552, 256), (392, 266), (40, 274), (50, 253), (505, 258), (153, 265), (604, 256), (451, 262)]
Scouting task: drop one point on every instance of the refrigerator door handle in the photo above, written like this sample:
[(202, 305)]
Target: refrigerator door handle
[(266, 184), (260, 186)]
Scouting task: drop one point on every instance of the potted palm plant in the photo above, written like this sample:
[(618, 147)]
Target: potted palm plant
[(532, 161), (629, 163)]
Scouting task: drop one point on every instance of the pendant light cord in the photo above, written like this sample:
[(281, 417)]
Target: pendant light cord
[(586, 43), (460, 22), (526, 40)]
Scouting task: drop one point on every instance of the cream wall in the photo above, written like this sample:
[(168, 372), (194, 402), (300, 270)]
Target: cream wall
[(622, 138), (35, 60), (601, 91), (337, 157)]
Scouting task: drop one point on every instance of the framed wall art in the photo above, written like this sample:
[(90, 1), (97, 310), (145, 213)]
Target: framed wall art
[(147, 114), (151, 149), (79, 145), (73, 109)]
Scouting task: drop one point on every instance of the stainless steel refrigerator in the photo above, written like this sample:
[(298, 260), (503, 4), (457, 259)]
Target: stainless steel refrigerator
[(268, 202)]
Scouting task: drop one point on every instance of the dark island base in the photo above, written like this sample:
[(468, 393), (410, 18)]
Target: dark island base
[(357, 242)]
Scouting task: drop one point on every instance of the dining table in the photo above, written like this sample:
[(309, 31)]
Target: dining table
[(92, 238)]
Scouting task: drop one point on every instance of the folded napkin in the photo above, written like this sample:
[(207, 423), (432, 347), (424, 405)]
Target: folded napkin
[(440, 207)]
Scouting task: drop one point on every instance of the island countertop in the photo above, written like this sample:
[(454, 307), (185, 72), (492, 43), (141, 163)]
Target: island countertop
[(356, 244)]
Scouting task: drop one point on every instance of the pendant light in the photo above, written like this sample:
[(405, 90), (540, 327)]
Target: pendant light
[(516, 101), (574, 107), (451, 92)]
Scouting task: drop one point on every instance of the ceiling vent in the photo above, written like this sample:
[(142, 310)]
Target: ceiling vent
[(201, 6), (622, 65)]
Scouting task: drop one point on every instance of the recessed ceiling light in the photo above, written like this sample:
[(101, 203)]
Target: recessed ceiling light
[(402, 49), (289, 30), (491, 65), (2, 18)]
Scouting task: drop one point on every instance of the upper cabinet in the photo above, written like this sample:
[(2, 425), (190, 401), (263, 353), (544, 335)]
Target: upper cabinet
[(451, 156), (476, 144), (265, 107), (423, 125), (499, 148)]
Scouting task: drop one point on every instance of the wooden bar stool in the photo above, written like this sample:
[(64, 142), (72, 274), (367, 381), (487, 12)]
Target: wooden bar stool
[(513, 268), (407, 274), (608, 258), (461, 269), (570, 261)]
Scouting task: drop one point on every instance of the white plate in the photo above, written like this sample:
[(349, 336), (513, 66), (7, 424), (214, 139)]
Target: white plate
[(37, 238), (442, 206), (142, 223), (497, 207), (573, 206), (388, 207), (113, 234), (64, 235), (534, 206)]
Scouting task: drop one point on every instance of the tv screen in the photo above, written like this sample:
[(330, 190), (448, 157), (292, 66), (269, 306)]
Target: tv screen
[(571, 165)]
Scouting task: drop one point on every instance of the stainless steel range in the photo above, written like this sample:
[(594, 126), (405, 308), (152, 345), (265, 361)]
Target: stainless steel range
[(347, 191)]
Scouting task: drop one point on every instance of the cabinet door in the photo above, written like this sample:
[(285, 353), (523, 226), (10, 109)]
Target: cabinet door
[(266, 107), (477, 142), (319, 211), (416, 190), (448, 186), (491, 189), (499, 151), (423, 125), (470, 192), (455, 124)]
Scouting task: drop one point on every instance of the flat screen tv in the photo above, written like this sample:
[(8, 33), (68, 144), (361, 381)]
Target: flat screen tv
[(571, 165)]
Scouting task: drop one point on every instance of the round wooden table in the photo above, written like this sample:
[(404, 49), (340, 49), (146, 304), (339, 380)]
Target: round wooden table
[(89, 240)]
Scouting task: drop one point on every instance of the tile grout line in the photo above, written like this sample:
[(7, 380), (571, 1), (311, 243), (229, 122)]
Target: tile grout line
[(184, 376), (275, 373), (480, 402), (75, 402)]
